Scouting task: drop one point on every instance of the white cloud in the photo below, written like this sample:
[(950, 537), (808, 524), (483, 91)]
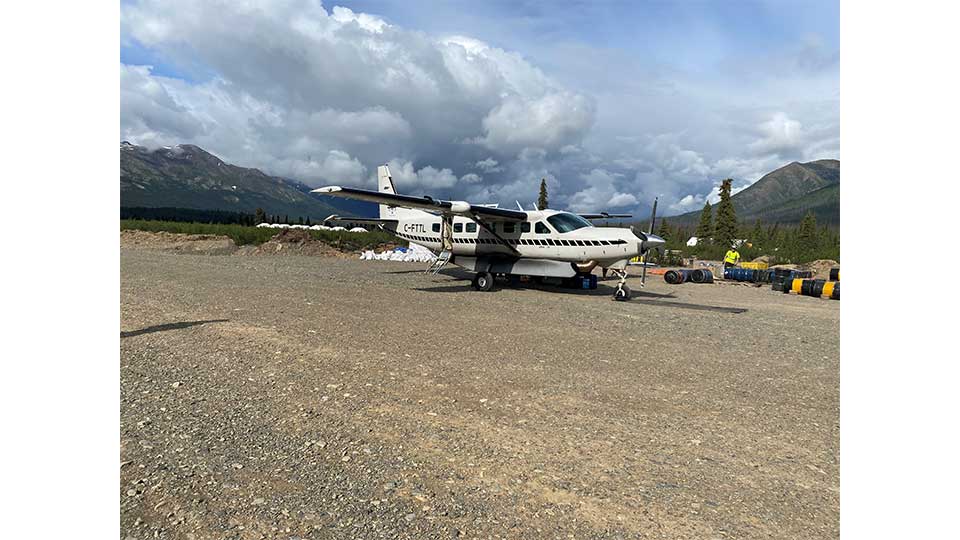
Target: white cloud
[(549, 122), (781, 135), (337, 167), (489, 165), (622, 199), (600, 194)]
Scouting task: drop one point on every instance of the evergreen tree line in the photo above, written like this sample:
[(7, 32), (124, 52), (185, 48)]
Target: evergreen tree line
[(782, 243), (223, 217)]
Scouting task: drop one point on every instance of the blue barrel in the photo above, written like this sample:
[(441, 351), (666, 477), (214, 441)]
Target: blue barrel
[(701, 276)]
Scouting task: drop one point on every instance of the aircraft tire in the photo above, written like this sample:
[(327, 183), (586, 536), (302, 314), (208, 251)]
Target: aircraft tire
[(622, 294), (483, 281)]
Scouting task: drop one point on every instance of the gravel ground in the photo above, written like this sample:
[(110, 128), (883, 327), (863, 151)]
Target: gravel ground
[(310, 397)]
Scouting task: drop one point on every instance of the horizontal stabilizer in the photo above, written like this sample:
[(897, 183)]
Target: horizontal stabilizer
[(349, 219)]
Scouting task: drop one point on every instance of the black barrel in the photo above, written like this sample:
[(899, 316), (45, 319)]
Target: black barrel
[(807, 288), (834, 274), (817, 289), (836, 292), (701, 276)]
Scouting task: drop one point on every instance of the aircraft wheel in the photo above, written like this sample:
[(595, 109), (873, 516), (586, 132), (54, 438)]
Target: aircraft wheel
[(483, 281), (622, 294)]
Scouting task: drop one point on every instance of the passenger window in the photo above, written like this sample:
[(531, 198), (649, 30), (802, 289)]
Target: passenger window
[(471, 227), (508, 228), (541, 228), (458, 227), (436, 227), (525, 227)]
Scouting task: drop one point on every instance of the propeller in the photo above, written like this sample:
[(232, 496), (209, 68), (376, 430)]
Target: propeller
[(653, 217)]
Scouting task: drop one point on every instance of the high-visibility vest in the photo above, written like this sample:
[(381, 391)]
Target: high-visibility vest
[(732, 257)]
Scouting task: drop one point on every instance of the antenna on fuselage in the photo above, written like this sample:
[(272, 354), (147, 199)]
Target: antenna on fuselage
[(518, 205)]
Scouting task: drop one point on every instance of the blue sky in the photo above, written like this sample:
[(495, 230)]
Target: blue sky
[(613, 102)]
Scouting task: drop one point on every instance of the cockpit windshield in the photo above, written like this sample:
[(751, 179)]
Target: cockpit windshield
[(564, 223)]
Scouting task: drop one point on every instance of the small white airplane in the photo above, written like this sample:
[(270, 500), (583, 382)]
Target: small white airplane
[(490, 240)]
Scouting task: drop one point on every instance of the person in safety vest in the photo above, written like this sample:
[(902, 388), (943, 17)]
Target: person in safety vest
[(732, 258)]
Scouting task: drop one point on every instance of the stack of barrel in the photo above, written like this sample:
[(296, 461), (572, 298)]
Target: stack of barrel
[(676, 277), (815, 287), (779, 276)]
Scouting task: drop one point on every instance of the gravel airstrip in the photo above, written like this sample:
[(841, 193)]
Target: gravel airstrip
[(321, 397)]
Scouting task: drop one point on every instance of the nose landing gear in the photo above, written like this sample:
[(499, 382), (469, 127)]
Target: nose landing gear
[(622, 294)]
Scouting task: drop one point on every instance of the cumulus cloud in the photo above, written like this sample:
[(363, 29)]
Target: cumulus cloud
[(549, 122), (780, 135), (300, 80), (601, 193), (325, 94), (337, 166), (489, 165)]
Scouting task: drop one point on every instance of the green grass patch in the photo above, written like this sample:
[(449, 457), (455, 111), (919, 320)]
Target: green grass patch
[(244, 235)]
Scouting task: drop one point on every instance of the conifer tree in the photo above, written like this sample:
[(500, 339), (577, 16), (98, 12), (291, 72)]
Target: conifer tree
[(542, 201), (664, 230), (807, 235), (705, 228), (758, 235), (725, 231)]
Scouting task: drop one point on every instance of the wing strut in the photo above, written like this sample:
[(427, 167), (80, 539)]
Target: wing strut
[(495, 235)]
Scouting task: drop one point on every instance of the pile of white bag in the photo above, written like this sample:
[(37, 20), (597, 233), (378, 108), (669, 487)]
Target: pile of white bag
[(309, 227), (415, 253)]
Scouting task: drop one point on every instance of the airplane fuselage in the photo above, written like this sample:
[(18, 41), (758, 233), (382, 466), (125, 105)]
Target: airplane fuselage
[(537, 238)]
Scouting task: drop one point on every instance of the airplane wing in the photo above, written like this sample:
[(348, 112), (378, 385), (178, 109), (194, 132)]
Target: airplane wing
[(461, 208), (604, 215), (367, 221)]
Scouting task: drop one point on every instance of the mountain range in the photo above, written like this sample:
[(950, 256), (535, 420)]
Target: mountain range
[(187, 176), (786, 195)]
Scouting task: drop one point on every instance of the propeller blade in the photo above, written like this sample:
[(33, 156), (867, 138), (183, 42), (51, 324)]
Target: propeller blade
[(653, 216)]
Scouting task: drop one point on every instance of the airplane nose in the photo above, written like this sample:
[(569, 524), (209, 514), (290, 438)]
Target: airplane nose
[(653, 241), (647, 241)]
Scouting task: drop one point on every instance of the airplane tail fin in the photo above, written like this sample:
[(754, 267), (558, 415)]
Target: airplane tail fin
[(385, 185)]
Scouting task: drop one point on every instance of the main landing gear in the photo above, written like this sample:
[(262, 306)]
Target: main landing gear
[(483, 281), (622, 294)]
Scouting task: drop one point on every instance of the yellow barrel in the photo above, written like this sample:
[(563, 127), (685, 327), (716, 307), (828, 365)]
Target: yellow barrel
[(796, 285), (754, 265), (828, 288)]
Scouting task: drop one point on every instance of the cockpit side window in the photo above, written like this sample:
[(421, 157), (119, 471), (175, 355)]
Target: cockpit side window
[(540, 228), (566, 222)]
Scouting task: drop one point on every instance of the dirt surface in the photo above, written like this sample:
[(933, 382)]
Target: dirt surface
[(309, 397), (207, 244), (297, 242)]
